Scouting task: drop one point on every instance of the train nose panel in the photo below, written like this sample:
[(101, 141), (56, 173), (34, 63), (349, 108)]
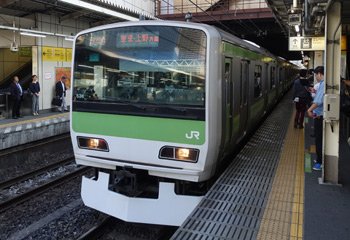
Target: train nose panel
[(168, 209)]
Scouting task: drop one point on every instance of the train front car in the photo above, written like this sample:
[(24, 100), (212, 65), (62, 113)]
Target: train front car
[(140, 116)]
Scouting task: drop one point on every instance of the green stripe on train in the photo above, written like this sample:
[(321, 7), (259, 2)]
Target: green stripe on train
[(242, 52), (146, 128)]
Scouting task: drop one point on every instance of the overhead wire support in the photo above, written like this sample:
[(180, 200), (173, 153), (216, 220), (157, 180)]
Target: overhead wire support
[(238, 20), (178, 9)]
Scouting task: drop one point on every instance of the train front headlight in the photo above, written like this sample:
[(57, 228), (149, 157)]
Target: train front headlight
[(182, 153), (179, 154), (98, 144)]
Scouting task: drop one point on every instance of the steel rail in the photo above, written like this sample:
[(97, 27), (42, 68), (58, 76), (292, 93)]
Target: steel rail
[(37, 172)]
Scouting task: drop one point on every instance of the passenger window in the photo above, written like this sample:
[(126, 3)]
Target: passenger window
[(257, 81)]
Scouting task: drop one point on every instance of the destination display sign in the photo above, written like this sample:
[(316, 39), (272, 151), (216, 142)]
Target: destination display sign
[(137, 39)]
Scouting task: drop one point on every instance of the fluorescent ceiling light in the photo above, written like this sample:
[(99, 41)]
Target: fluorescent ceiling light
[(297, 29), (36, 33), (100, 9), (69, 39), (32, 34)]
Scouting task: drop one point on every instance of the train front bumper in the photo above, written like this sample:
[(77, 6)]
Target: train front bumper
[(168, 209)]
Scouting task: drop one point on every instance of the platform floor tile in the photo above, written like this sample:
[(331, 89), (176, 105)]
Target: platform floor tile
[(260, 195)]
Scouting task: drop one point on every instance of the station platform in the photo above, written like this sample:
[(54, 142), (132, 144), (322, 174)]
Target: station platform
[(31, 128), (269, 191)]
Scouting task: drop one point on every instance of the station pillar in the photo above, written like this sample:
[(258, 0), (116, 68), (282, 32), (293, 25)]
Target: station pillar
[(332, 95)]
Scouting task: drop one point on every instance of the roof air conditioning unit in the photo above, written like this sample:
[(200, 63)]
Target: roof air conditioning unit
[(14, 47)]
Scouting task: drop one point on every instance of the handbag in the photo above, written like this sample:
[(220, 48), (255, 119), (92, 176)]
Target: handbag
[(56, 101)]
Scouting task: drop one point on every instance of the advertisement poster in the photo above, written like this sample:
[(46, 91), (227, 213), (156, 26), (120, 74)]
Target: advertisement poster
[(63, 71)]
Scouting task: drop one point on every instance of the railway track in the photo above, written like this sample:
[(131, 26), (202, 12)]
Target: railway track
[(97, 231), (40, 189), (29, 175)]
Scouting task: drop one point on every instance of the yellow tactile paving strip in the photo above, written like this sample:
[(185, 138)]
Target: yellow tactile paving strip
[(284, 213)]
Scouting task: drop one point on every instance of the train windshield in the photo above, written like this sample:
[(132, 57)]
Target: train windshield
[(132, 68)]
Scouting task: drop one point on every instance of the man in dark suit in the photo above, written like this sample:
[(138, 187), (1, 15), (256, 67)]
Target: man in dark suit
[(61, 93), (17, 96)]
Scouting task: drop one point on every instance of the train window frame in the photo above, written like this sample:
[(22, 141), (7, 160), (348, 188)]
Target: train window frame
[(159, 87)]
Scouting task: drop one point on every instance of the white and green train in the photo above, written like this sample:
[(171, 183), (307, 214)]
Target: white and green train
[(157, 106)]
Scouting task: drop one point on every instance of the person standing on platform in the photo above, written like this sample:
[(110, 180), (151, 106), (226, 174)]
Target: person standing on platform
[(316, 111), (34, 88), (61, 93), (301, 97), (17, 96)]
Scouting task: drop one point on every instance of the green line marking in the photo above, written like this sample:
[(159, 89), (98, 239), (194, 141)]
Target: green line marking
[(308, 162)]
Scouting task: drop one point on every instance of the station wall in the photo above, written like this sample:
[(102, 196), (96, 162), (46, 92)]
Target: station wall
[(50, 55)]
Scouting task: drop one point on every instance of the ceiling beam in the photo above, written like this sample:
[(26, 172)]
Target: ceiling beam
[(75, 15), (221, 15)]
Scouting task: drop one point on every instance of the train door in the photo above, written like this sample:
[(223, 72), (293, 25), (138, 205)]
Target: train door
[(266, 86), (228, 99), (244, 87)]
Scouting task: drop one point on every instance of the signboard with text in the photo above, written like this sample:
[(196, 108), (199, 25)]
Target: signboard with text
[(137, 39), (55, 54), (306, 43)]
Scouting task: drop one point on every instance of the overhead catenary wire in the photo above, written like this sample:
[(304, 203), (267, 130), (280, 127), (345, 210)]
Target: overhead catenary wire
[(238, 20), (247, 28)]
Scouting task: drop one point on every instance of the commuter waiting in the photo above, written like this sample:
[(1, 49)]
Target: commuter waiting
[(34, 88), (17, 96)]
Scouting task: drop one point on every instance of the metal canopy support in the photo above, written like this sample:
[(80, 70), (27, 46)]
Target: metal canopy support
[(332, 87)]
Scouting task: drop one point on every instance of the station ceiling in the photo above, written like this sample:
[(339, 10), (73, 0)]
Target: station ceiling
[(28, 9), (270, 30)]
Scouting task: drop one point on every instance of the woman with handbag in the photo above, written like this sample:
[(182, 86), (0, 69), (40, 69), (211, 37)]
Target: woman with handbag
[(34, 89)]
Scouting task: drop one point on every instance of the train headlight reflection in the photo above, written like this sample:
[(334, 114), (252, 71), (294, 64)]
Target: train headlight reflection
[(97, 144), (179, 154)]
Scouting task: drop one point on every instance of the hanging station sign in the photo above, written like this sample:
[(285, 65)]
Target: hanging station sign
[(306, 43)]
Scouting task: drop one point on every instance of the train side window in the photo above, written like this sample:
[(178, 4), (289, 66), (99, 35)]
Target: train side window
[(257, 81), (272, 77)]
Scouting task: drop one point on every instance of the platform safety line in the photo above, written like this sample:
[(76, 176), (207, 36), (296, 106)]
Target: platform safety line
[(284, 214), (33, 120)]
